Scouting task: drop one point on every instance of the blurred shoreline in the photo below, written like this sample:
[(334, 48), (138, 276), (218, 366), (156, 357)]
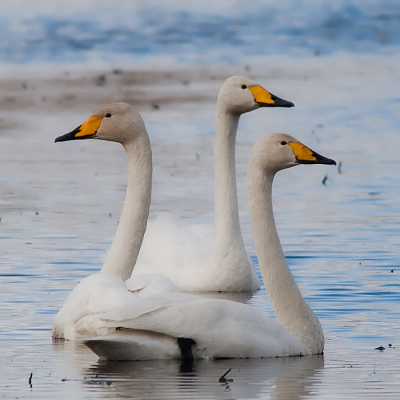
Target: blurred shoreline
[(76, 86)]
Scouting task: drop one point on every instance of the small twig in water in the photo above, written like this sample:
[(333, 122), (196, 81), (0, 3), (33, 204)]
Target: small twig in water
[(223, 379), (30, 380)]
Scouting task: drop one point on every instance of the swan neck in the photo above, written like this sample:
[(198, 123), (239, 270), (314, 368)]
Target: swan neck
[(132, 224), (227, 227), (291, 310)]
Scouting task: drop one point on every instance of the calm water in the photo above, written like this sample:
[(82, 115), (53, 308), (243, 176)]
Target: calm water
[(60, 204)]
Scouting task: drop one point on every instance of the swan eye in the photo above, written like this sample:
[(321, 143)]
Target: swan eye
[(108, 115), (283, 143), (244, 87)]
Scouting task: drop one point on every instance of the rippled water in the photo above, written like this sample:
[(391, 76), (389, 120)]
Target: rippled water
[(60, 204)]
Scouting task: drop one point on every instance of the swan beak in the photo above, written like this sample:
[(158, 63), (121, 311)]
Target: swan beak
[(305, 155), (87, 130), (263, 98)]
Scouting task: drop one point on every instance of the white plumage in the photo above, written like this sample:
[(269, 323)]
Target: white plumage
[(146, 321)]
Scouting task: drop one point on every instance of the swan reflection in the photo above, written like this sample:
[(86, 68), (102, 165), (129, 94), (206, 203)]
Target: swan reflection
[(279, 378)]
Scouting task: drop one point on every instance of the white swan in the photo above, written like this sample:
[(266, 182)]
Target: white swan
[(188, 256), (173, 324), (101, 292)]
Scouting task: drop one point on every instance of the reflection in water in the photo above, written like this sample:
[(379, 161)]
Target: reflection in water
[(295, 382), (280, 378)]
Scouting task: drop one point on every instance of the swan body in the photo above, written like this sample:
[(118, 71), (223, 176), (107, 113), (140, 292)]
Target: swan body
[(215, 328), (218, 329), (212, 258)]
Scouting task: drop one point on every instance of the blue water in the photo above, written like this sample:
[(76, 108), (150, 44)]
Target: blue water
[(181, 32)]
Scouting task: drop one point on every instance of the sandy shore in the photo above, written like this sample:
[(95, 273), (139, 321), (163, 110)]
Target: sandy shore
[(306, 82), (142, 89)]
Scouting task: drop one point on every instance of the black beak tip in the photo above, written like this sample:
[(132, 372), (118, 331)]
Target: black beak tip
[(63, 138), (278, 102), (68, 136), (318, 159), (324, 160), (283, 103)]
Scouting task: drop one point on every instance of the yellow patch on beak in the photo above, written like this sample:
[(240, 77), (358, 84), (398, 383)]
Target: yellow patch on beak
[(261, 95), (302, 153), (89, 128)]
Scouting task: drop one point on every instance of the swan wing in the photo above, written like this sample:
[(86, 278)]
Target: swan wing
[(219, 328)]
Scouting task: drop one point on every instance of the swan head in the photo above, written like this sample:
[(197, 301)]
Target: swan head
[(240, 94), (278, 151), (116, 122)]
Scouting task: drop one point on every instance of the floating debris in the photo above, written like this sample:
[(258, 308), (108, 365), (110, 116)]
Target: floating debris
[(325, 179), (30, 380), (223, 378), (339, 168), (380, 348)]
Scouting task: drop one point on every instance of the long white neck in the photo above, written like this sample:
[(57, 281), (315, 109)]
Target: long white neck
[(227, 228), (129, 236), (291, 310)]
